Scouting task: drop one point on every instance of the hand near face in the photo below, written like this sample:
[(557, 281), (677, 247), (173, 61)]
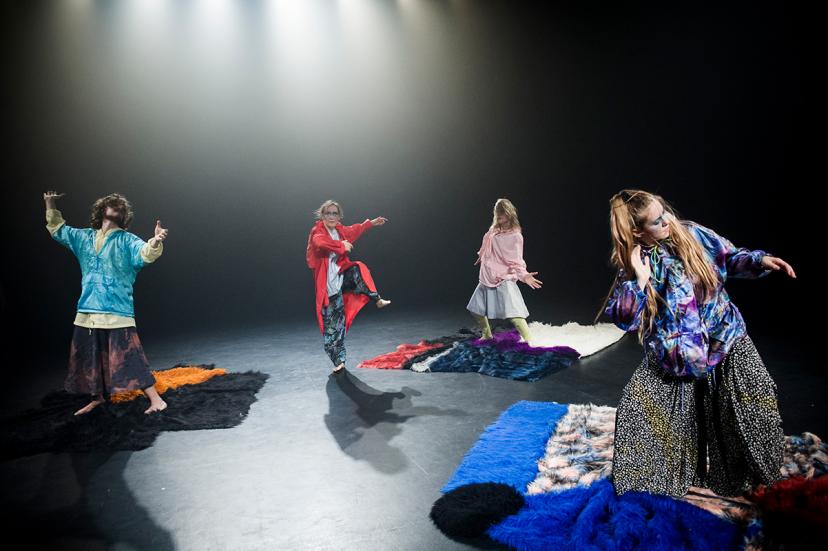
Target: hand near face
[(642, 268)]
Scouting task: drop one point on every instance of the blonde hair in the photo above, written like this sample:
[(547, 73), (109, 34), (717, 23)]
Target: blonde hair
[(627, 215), (329, 203), (505, 207)]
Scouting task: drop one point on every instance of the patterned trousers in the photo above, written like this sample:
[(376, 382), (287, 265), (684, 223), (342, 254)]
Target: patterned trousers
[(333, 315), (722, 431)]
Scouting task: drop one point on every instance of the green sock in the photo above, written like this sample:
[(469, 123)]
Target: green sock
[(483, 322), (522, 327)]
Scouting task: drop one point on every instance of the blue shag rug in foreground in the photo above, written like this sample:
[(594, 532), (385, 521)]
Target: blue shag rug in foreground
[(581, 516)]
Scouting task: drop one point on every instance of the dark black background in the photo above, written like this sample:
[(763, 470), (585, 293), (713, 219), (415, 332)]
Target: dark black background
[(231, 127)]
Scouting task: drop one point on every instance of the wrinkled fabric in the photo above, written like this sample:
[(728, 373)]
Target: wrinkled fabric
[(504, 356), (501, 302), (334, 313), (501, 257), (107, 361), (722, 432), (320, 245), (691, 333), (398, 358), (408, 354), (107, 276)]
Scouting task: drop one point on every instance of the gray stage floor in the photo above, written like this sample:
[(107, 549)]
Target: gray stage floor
[(352, 462)]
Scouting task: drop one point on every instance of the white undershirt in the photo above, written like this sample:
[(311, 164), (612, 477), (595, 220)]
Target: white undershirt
[(334, 277)]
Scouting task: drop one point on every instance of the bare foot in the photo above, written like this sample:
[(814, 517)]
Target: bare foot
[(90, 406), (161, 406), (339, 369), (382, 303)]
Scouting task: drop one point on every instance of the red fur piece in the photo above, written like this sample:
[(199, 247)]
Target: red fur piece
[(794, 506)]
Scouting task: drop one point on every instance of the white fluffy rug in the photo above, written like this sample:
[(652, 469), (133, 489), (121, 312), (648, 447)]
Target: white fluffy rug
[(586, 339)]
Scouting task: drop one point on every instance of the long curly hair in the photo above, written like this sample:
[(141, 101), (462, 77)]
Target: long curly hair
[(115, 201)]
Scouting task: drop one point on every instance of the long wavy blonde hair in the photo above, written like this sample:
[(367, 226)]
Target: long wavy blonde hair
[(506, 208), (627, 216)]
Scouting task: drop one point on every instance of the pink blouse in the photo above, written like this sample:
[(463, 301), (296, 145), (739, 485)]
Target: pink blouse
[(501, 257)]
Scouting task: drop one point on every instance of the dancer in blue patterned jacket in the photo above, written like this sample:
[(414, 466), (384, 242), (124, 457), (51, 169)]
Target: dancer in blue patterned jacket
[(701, 409)]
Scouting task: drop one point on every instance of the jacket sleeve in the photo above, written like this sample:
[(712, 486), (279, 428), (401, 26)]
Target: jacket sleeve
[(323, 241), (731, 261), (353, 232), (626, 303), (69, 237), (512, 250)]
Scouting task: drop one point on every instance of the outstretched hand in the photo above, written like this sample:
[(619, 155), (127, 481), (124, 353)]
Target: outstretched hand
[(530, 280), (776, 264), (160, 234), (379, 221), (51, 197)]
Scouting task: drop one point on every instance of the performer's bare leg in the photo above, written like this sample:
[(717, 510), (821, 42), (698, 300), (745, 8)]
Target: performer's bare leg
[(156, 403), (97, 400)]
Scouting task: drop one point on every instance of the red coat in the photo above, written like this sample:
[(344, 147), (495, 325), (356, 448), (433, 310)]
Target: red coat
[(320, 245)]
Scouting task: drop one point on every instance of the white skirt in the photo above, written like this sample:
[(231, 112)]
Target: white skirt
[(501, 302)]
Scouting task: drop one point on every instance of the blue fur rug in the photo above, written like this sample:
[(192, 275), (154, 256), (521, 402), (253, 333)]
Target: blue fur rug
[(504, 356), (593, 517), (508, 450), (583, 517)]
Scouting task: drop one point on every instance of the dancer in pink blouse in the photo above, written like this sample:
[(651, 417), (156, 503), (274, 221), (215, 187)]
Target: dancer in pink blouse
[(501, 266)]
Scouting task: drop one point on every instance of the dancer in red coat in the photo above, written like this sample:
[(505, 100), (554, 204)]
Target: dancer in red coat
[(343, 286)]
